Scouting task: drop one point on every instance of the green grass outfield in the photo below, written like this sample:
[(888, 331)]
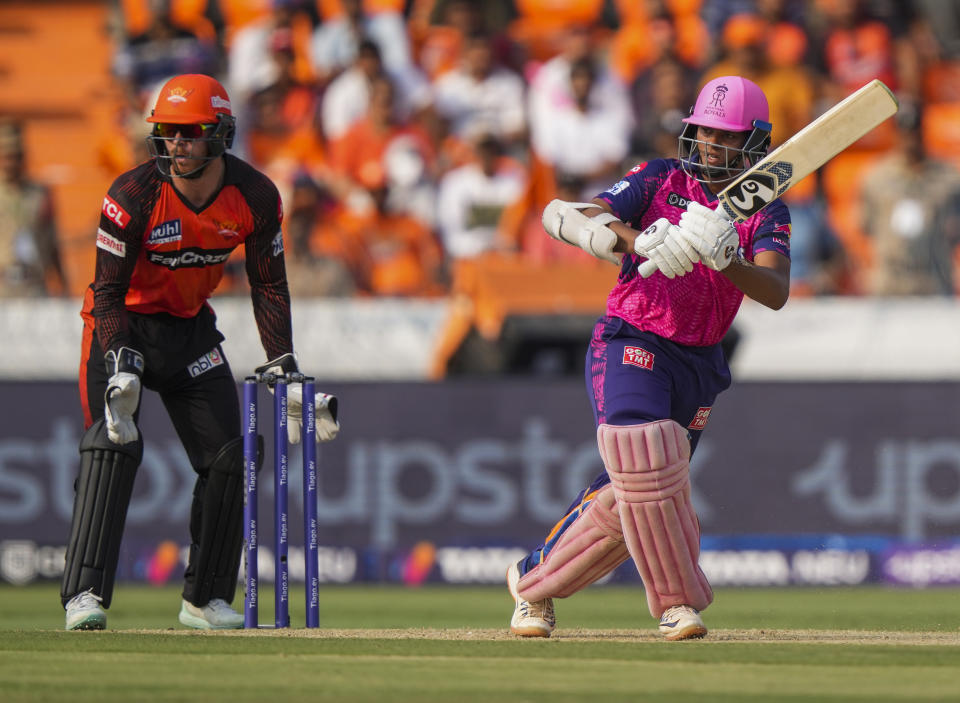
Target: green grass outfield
[(451, 644)]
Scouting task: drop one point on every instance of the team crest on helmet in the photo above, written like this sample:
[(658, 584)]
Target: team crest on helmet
[(716, 102), (179, 95)]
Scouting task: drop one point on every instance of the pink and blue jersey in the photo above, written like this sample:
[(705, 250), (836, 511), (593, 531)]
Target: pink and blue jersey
[(696, 309)]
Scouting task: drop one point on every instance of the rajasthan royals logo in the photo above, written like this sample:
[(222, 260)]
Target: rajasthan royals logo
[(719, 95)]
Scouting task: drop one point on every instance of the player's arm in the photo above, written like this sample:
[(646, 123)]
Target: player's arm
[(267, 275), (594, 228), (119, 241), (766, 279)]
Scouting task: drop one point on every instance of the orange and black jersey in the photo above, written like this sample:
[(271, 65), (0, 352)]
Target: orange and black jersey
[(158, 253)]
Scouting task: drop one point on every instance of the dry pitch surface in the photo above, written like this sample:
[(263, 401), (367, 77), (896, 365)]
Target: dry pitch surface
[(857, 637)]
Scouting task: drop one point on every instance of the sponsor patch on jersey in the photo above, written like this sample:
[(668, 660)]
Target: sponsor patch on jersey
[(678, 200), (211, 359), (783, 229), (638, 356), (193, 258), (700, 419), (109, 243), (165, 232), (278, 244), (618, 187), (114, 212), (637, 168)]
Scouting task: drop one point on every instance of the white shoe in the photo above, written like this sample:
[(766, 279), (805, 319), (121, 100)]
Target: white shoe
[(84, 612), (681, 622), (530, 618), (215, 615)]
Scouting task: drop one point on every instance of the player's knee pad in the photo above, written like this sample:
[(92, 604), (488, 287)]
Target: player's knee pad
[(217, 527), (587, 550), (649, 468), (102, 495)]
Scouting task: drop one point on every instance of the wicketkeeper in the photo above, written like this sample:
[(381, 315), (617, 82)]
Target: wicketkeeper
[(655, 366), (167, 228)]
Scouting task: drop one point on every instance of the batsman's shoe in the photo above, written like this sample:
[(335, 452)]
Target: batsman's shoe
[(681, 622), (84, 612), (530, 618), (215, 615)]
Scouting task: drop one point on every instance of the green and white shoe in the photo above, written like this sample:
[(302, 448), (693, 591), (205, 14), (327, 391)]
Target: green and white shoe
[(84, 612), (215, 615)]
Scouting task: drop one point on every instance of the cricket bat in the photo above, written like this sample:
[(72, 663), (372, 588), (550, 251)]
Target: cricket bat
[(803, 153)]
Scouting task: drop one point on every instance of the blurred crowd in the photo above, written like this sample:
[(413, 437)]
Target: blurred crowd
[(410, 138)]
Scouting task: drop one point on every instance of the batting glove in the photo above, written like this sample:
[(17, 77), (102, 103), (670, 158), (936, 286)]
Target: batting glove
[(711, 234), (662, 244)]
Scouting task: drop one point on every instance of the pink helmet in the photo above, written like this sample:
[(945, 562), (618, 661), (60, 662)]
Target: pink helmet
[(733, 104)]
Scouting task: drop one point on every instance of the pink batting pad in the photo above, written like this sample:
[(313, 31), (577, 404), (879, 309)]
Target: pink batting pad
[(589, 549), (649, 468)]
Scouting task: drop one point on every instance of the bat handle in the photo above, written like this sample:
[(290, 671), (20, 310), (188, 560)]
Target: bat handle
[(648, 268)]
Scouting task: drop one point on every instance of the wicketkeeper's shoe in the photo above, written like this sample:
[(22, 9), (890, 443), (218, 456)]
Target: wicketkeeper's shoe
[(84, 612), (681, 622), (530, 618), (215, 615)]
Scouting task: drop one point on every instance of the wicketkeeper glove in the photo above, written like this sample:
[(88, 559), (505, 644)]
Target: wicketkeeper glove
[(325, 405), (122, 398)]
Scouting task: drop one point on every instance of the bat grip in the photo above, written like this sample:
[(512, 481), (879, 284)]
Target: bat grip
[(647, 269)]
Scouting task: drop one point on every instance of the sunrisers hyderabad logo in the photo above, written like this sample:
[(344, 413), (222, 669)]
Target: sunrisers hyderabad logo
[(179, 95), (228, 230)]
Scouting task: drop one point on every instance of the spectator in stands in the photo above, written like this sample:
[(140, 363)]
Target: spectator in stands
[(283, 138), (252, 58), (439, 44), (559, 141), (661, 97), (347, 98), (336, 41), (388, 253), (480, 97), (29, 255), (164, 49), (383, 143), (910, 204), (472, 199), (856, 48), (551, 87)]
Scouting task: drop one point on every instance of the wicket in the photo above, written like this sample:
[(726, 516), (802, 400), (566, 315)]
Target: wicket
[(251, 534)]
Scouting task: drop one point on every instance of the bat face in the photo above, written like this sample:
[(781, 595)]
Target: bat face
[(757, 189)]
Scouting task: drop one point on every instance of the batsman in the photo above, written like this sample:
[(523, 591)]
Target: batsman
[(654, 365), (167, 228)]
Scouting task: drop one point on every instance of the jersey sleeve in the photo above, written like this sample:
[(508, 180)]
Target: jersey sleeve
[(123, 217), (773, 230), (629, 197), (266, 269)]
